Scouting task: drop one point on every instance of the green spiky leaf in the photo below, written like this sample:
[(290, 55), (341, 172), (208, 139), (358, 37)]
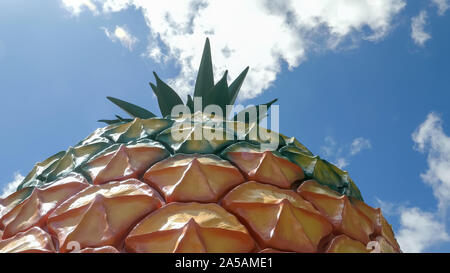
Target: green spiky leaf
[(259, 116), (167, 97), (205, 76), (190, 103), (218, 95), (236, 86), (109, 121), (264, 114), (123, 119), (132, 109), (114, 121)]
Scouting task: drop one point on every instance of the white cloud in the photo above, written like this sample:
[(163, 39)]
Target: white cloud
[(12, 186), (258, 33), (387, 208), (359, 144), (418, 33), (331, 147), (442, 6), (77, 6), (340, 153), (420, 230), (342, 162), (122, 35), (430, 138)]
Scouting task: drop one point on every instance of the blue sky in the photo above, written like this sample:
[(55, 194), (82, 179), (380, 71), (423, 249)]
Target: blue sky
[(355, 84)]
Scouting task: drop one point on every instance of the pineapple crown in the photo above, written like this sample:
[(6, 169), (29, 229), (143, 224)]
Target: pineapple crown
[(220, 94)]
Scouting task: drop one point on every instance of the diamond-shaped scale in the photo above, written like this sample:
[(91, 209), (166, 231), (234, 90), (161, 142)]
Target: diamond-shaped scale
[(138, 128), (263, 166), (101, 215), (321, 170), (374, 214), (73, 158), (39, 171), (201, 178), (293, 142), (34, 240), (337, 208), (278, 218), (189, 137), (388, 233), (11, 201), (125, 161), (384, 246), (34, 210), (253, 133), (190, 227), (381, 226), (345, 244)]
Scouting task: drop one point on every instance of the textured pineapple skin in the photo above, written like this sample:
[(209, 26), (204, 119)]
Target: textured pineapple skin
[(132, 187)]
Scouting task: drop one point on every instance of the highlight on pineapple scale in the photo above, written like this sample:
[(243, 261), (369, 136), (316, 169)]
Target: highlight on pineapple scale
[(190, 181)]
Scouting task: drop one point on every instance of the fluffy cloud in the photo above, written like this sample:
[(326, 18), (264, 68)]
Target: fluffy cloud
[(342, 162), (430, 138), (122, 35), (260, 33), (420, 230), (442, 6), (12, 186), (339, 153), (418, 33), (359, 144), (77, 6)]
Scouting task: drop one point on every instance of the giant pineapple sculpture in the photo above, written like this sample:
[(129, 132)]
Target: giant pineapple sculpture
[(133, 186)]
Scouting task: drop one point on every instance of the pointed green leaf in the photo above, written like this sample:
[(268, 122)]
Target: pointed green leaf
[(205, 76), (123, 119), (167, 97), (219, 94), (190, 103), (264, 114), (258, 117), (109, 121), (236, 86), (113, 121), (132, 109)]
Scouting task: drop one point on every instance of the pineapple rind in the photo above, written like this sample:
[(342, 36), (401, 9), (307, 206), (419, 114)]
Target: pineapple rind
[(107, 139), (189, 144), (292, 141), (322, 171), (37, 173), (287, 217)]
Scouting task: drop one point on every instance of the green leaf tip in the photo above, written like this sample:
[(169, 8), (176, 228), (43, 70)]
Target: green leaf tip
[(260, 116), (132, 109), (167, 97), (190, 103), (109, 121), (236, 86), (218, 95), (205, 76)]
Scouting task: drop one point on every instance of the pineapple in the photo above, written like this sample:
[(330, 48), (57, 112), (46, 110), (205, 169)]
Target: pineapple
[(134, 186)]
